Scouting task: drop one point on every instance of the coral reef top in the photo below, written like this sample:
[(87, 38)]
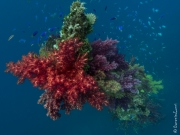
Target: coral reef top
[(77, 23)]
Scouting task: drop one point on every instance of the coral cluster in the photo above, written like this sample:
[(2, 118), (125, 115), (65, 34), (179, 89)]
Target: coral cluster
[(73, 71), (63, 78), (134, 101), (105, 56), (77, 23)]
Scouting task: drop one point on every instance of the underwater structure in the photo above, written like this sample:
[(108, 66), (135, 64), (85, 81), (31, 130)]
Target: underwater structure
[(72, 71)]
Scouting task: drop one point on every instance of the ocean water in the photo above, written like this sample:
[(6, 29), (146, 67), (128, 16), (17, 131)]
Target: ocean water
[(151, 30)]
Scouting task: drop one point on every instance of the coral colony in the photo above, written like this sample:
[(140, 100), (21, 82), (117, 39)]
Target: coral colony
[(72, 71)]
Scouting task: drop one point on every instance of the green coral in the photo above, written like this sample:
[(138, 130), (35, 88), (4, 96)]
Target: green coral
[(49, 46), (139, 70), (76, 23), (43, 52), (86, 47), (91, 18), (130, 114), (136, 108), (154, 85), (109, 86), (148, 85)]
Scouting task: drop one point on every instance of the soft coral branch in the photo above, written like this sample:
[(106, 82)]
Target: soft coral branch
[(105, 56), (63, 78)]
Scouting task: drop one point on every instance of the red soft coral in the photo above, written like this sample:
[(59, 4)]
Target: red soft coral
[(62, 77)]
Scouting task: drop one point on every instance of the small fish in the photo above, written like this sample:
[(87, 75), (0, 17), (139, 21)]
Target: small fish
[(129, 36), (155, 10), (43, 34), (159, 34), (154, 73), (22, 41), (10, 37), (60, 14), (45, 19), (94, 10), (129, 15), (143, 49), (113, 18), (34, 33), (125, 8), (163, 26), (161, 16), (32, 43), (53, 15), (105, 8), (120, 28), (52, 29)]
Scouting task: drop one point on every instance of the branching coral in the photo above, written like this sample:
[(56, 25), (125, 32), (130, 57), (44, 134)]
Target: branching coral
[(63, 78), (76, 23), (155, 86), (100, 62), (105, 56), (129, 84)]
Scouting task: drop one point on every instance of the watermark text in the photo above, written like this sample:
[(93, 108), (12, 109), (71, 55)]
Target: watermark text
[(175, 118)]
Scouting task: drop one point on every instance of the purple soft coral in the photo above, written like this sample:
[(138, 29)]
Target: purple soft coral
[(128, 83), (106, 48), (105, 56), (100, 62)]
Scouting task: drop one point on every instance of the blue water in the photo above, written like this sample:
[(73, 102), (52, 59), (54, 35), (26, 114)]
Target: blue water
[(19, 112)]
